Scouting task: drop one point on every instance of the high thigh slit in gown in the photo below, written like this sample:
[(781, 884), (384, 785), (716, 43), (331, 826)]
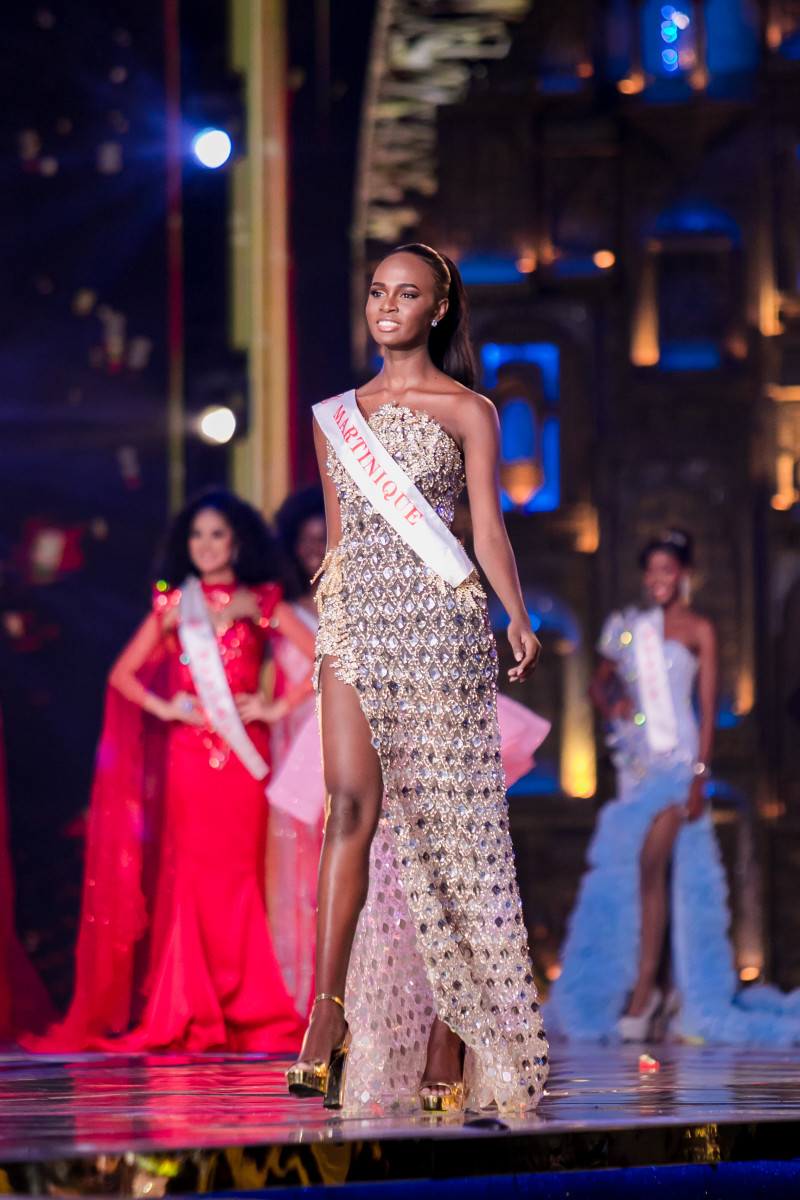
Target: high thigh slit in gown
[(442, 931)]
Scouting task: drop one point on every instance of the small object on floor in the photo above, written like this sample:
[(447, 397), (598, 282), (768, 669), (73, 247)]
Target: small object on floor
[(648, 1064), (486, 1123)]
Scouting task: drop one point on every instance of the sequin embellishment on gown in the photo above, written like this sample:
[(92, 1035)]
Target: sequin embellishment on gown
[(442, 929)]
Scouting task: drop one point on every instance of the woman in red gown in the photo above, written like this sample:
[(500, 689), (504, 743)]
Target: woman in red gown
[(173, 936)]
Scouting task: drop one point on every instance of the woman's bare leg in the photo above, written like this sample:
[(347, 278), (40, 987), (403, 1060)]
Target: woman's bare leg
[(654, 869), (354, 789)]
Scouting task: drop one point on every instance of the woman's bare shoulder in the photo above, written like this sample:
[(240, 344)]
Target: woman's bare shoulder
[(471, 412)]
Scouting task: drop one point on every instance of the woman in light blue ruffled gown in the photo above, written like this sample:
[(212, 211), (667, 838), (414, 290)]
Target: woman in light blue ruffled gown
[(654, 868)]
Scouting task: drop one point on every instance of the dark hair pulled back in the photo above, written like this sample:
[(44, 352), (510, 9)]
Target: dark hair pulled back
[(449, 343), (258, 557), (676, 542), (296, 509)]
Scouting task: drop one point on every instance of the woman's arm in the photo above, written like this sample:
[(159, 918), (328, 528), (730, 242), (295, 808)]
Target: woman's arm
[(286, 621), (604, 692), (123, 676), (707, 697), (479, 428), (254, 706)]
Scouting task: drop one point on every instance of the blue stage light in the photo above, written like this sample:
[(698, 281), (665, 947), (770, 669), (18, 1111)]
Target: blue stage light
[(212, 148)]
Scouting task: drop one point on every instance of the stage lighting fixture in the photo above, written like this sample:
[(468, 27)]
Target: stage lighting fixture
[(604, 259), (212, 148), (217, 425)]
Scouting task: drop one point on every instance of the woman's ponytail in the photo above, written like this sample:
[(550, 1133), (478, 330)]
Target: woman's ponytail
[(449, 342)]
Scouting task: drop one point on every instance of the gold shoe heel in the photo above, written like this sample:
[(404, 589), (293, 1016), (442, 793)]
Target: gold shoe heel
[(450, 1101), (337, 1073), (308, 1079), (313, 1077)]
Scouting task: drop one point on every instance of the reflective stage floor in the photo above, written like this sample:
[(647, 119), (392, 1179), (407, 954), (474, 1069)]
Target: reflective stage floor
[(147, 1125)]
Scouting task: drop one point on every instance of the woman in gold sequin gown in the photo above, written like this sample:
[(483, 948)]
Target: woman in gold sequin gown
[(419, 921)]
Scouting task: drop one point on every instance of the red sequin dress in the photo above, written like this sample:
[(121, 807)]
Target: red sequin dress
[(174, 936)]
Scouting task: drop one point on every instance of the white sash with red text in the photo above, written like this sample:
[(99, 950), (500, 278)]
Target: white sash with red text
[(199, 643), (660, 723), (389, 489)]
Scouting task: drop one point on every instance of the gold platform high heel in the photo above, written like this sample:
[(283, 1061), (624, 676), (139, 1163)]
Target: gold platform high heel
[(337, 1073), (451, 1101), (320, 1078)]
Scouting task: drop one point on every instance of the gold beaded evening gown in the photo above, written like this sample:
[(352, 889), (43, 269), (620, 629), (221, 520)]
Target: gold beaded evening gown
[(442, 930)]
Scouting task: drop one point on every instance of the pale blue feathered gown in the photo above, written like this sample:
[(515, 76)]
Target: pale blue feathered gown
[(600, 954)]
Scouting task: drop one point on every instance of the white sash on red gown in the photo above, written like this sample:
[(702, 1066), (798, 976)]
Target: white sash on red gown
[(199, 643)]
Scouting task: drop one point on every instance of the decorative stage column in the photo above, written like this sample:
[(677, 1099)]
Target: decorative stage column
[(259, 253)]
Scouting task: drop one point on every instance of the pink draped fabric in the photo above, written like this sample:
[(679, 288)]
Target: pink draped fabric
[(294, 844), (124, 859), (298, 789)]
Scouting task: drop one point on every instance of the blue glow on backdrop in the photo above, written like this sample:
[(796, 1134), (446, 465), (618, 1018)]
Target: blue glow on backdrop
[(489, 268), (690, 356), (543, 354)]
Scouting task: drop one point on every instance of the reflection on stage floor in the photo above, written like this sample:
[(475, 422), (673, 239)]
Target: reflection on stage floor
[(55, 1107)]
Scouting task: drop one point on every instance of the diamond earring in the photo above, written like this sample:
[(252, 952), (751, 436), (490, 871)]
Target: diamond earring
[(434, 323)]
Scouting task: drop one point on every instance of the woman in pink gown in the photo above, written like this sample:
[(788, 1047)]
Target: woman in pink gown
[(293, 846), (173, 936)]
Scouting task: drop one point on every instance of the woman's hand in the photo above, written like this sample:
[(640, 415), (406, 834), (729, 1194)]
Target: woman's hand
[(695, 805), (182, 707), (526, 647), (254, 706), (243, 606)]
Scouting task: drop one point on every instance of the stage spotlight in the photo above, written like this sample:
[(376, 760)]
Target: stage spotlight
[(212, 148), (217, 425)]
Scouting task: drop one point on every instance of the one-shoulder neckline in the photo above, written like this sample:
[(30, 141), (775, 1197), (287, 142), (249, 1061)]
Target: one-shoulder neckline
[(417, 412), (677, 642)]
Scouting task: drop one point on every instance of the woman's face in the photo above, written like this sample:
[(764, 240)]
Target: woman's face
[(312, 539), (662, 577), (211, 542), (402, 303)]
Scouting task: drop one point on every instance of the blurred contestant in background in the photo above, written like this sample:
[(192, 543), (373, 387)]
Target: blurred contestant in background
[(173, 936), (647, 947), (295, 827)]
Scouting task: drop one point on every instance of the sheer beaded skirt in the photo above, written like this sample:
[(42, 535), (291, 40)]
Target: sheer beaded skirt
[(442, 929)]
